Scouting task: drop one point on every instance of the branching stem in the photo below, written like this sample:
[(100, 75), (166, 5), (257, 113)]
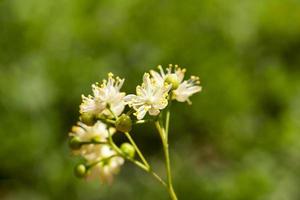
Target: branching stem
[(135, 162), (164, 137), (137, 149)]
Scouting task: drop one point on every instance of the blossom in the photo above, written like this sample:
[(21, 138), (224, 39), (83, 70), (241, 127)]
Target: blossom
[(107, 166), (104, 162), (186, 89), (86, 133), (182, 89), (107, 95), (92, 139), (98, 132), (150, 97), (161, 77)]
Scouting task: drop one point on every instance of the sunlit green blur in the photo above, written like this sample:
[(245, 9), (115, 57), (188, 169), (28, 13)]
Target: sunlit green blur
[(240, 139)]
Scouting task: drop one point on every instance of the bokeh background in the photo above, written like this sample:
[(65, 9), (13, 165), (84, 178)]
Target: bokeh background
[(240, 140)]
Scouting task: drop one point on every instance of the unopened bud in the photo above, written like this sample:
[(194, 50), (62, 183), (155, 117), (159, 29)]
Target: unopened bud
[(88, 118), (172, 79), (128, 150), (80, 170), (124, 123), (74, 143), (96, 139)]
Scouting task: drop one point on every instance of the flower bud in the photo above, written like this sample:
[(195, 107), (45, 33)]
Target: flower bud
[(128, 150), (172, 79), (96, 139), (74, 143), (124, 123), (88, 118), (80, 170)]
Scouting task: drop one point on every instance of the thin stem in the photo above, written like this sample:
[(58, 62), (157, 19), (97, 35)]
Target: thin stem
[(137, 163), (172, 192), (110, 121), (167, 123), (166, 148), (163, 134), (110, 110), (130, 112), (160, 131), (92, 142), (148, 170), (113, 145), (137, 149), (158, 178), (99, 161)]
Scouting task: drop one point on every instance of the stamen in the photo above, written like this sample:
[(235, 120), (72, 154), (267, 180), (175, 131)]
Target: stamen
[(110, 75)]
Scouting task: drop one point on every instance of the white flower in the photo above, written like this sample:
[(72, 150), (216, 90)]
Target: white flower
[(91, 104), (161, 77), (87, 133), (107, 94), (186, 89), (103, 160), (182, 89), (150, 97), (98, 132), (107, 167)]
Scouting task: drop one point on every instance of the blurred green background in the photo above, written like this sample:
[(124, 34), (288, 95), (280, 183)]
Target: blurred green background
[(238, 141)]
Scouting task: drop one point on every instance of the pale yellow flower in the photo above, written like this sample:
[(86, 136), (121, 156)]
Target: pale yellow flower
[(110, 166), (105, 95), (182, 89), (150, 97), (98, 132), (103, 160)]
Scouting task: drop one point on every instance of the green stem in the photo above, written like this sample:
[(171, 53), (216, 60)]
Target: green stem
[(137, 149), (109, 121), (110, 110), (130, 112), (163, 134), (167, 123), (137, 163), (148, 170), (92, 142), (99, 161)]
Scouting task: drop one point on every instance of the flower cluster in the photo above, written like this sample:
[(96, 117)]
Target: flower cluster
[(105, 96), (102, 115), (91, 142), (159, 88)]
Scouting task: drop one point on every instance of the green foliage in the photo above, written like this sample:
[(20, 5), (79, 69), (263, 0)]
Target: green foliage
[(239, 141)]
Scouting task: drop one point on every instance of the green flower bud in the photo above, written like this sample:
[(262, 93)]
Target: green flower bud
[(88, 118), (172, 79), (96, 139), (128, 150), (124, 123), (74, 143), (80, 170)]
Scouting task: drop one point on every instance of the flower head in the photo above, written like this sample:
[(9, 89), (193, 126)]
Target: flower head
[(186, 89), (106, 167), (177, 75), (101, 159), (85, 134), (174, 75), (150, 97), (107, 95)]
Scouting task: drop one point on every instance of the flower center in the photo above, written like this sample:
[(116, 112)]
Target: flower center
[(149, 100)]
